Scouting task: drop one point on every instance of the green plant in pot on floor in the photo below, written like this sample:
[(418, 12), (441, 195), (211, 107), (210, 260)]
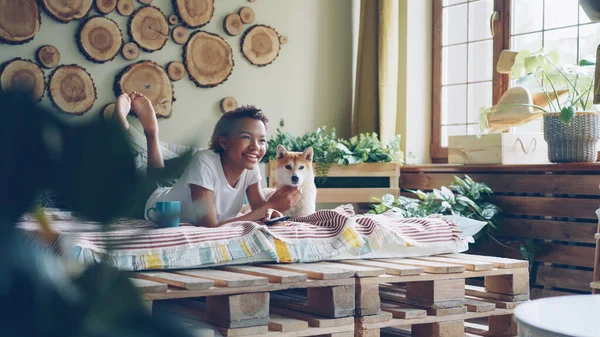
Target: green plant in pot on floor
[(571, 126)]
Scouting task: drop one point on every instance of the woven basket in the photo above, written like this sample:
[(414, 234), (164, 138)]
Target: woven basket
[(576, 142)]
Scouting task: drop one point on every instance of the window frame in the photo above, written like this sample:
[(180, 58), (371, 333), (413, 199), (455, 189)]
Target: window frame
[(501, 41)]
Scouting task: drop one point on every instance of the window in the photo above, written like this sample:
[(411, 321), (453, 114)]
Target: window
[(465, 54)]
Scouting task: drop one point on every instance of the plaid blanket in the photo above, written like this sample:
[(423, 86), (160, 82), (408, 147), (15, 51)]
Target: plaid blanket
[(327, 234)]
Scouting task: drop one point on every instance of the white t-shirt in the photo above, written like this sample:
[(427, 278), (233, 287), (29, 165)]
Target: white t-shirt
[(205, 170)]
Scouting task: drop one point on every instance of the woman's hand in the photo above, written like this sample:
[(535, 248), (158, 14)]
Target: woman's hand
[(271, 214), (284, 198)]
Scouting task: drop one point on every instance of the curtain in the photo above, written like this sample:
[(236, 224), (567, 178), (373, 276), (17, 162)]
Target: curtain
[(376, 89)]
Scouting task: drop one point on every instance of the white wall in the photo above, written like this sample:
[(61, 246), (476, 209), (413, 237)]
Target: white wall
[(308, 85)]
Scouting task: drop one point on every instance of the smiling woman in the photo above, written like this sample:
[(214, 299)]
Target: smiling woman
[(212, 188)]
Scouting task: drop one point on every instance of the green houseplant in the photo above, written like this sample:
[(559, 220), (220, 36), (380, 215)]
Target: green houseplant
[(463, 197), (329, 149), (571, 127)]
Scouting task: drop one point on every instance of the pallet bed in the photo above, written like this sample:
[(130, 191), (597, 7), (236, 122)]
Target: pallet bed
[(347, 298)]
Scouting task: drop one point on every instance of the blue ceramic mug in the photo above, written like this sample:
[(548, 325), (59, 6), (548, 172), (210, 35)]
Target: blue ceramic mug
[(166, 213)]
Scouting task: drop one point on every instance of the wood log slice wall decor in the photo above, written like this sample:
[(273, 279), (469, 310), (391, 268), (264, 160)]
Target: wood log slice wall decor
[(228, 104), (194, 13), (233, 24), (130, 51), (20, 20), (65, 11), (283, 39), (145, 2), (48, 56), (72, 89), (149, 28), (23, 75), (105, 6), (99, 39), (151, 80), (260, 45), (180, 34), (175, 70), (108, 111), (247, 15), (173, 19), (125, 7), (208, 59)]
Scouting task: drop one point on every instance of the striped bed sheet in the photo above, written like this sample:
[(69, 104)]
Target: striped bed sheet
[(333, 234)]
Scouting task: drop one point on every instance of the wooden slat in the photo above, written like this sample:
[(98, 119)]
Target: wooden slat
[(560, 254), (543, 293), (579, 208), (380, 317), (395, 295), (402, 311), (286, 324), (180, 281), (429, 267), (457, 168), (390, 268), (356, 170), (339, 195), (225, 278), (499, 304), (274, 275), (498, 262), (365, 169), (549, 230), (242, 332), (469, 264), (481, 292), (313, 320), (313, 271), (564, 278), (359, 271), (511, 183), (149, 286), (478, 306)]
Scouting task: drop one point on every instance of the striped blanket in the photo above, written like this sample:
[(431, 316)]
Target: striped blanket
[(325, 235)]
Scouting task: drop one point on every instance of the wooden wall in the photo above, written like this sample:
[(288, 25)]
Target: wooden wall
[(552, 204)]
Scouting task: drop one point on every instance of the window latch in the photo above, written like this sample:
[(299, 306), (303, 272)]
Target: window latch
[(493, 18)]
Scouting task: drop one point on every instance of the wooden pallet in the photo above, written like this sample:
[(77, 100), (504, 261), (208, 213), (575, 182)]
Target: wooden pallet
[(430, 295), (281, 322), (236, 299)]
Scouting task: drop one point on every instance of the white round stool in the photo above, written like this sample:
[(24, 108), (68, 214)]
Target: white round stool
[(568, 316)]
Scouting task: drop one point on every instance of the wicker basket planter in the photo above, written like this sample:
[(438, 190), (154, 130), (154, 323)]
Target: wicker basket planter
[(576, 142)]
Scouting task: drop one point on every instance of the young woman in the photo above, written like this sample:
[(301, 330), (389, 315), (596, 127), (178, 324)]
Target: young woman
[(216, 181)]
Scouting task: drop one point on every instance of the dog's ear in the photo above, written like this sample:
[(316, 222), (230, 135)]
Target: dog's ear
[(281, 151), (308, 154)]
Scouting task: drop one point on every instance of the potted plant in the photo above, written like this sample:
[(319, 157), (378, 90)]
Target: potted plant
[(571, 126), (357, 161)]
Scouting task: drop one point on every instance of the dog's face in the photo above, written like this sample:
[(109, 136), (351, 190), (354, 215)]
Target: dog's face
[(293, 168)]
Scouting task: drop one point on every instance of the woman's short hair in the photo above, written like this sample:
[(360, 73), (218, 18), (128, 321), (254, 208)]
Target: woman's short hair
[(228, 121)]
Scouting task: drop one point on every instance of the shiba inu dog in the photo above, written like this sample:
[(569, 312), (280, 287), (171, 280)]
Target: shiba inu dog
[(293, 169), (296, 169)]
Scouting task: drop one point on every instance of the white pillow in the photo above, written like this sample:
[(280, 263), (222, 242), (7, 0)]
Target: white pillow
[(469, 227)]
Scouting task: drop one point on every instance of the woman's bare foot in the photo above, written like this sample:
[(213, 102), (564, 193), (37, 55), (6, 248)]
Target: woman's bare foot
[(122, 108), (142, 107)]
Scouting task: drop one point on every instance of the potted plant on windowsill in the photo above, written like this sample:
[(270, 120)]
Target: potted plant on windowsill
[(571, 126)]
